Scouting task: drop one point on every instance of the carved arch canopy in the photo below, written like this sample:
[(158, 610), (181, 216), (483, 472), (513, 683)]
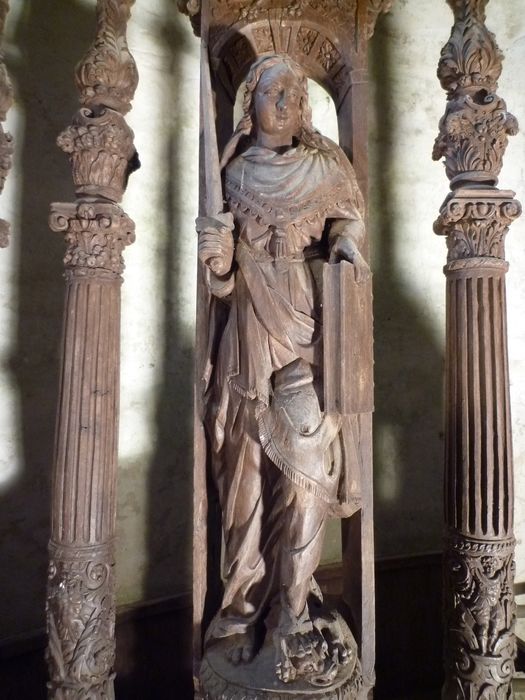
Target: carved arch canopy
[(327, 38)]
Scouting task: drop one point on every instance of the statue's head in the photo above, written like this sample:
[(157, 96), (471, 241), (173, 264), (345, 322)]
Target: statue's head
[(269, 78), (276, 98)]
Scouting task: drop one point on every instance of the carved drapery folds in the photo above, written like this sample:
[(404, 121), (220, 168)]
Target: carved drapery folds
[(81, 584), (6, 140), (475, 217)]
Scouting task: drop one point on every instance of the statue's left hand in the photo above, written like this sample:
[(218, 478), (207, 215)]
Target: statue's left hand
[(344, 248)]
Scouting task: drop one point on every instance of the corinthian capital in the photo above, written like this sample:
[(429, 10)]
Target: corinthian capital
[(96, 235), (107, 75), (476, 222)]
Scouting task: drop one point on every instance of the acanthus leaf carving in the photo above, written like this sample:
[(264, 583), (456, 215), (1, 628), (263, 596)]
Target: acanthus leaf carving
[(96, 235), (471, 57), (473, 133), (473, 137), (107, 75), (476, 225), (81, 621), (101, 151)]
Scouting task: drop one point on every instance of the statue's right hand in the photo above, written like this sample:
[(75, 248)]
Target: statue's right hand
[(216, 242)]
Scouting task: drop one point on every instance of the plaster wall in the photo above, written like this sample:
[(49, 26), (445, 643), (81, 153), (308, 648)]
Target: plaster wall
[(406, 190)]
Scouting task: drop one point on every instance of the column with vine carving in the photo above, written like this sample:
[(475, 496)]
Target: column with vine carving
[(81, 585), (6, 141), (475, 217)]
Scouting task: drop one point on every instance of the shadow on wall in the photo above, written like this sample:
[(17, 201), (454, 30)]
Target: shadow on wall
[(169, 506), (42, 73), (408, 439)]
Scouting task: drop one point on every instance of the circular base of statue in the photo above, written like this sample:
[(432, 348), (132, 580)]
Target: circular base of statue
[(221, 679)]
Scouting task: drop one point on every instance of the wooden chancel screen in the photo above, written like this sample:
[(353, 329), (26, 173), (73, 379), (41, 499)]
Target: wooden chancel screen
[(324, 40)]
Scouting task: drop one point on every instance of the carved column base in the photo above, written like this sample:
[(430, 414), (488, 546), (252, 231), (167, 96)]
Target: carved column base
[(480, 613), (219, 683), (81, 622), (311, 677)]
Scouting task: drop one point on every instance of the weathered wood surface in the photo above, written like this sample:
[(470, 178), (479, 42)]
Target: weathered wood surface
[(81, 585), (335, 54), (479, 602)]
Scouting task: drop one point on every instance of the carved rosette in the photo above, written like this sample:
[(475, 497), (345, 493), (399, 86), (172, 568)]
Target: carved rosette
[(81, 619), (6, 140), (81, 586), (479, 606)]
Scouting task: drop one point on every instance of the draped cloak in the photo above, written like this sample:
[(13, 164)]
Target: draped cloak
[(281, 204)]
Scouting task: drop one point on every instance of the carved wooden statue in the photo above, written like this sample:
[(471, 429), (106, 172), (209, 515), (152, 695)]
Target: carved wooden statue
[(284, 356), (479, 603), (281, 465)]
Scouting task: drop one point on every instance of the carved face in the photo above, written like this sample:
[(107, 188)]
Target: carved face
[(278, 107)]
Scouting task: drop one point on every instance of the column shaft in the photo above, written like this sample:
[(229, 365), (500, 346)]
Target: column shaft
[(81, 586), (478, 563)]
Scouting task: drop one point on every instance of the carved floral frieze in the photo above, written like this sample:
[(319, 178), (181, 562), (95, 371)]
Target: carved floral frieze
[(96, 235), (337, 12), (107, 75)]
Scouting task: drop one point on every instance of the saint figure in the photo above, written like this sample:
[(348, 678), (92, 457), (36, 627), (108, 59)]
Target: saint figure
[(281, 464)]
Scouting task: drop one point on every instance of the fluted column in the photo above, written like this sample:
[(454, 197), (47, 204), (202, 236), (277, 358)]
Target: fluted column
[(479, 548), (6, 141), (81, 586)]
